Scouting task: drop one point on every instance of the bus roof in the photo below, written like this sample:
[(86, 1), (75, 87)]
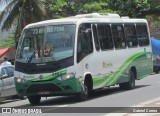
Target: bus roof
[(90, 18)]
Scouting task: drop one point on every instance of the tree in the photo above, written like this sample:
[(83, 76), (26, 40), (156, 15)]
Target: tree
[(64, 8), (131, 8), (21, 13), (7, 42), (95, 6), (153, 8)]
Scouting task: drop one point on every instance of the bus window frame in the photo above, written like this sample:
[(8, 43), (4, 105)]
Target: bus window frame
[(146, 31), (94, 41), (133, 24), (122, 24), (108, 24)]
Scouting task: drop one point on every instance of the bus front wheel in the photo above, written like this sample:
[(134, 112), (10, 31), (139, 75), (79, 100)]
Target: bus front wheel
[(34, 100), (130, 84), (83, 95)]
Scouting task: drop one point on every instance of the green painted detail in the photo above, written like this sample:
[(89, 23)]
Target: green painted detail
[(135, 60), (99, 80), (126, 65), (69, 86), (51, 76)]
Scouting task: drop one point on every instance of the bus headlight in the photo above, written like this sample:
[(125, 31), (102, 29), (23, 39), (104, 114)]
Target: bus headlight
[(66, 76), (20, 80)]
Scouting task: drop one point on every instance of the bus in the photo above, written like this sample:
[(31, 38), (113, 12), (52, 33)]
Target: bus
[(79, 54)]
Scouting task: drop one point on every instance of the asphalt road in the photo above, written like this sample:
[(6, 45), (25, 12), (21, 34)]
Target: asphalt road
[(146, 89)]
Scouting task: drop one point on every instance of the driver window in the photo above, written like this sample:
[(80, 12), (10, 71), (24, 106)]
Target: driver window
[(28, 45), (28, 42)]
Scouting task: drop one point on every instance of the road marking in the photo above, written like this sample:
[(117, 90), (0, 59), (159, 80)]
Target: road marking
[(116, 114), (50, 109), (53, 108), (63, 106)]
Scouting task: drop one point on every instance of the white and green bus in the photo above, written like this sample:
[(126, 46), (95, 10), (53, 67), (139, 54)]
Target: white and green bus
[(77, 55)]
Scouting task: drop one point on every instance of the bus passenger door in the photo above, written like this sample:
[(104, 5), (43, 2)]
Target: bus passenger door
[(84, 49)]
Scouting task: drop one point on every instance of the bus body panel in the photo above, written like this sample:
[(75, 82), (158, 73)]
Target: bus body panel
[(112, 67), (48, 84), (106, 67)]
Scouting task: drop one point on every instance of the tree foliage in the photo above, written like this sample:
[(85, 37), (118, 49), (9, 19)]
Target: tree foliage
[(64, 8), (22, 12), (7, 42), (100, 7), (131, 8)]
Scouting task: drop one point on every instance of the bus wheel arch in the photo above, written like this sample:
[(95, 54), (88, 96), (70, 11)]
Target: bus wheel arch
[(132, 77), (87, 87), (133, 68), (89, 81)]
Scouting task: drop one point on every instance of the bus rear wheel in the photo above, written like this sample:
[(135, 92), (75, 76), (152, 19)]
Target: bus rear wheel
[(34, 100), (130, 84)]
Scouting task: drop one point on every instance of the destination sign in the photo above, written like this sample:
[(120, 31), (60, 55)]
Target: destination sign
[(47, 29)]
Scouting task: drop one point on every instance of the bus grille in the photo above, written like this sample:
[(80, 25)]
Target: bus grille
[(43, 87)]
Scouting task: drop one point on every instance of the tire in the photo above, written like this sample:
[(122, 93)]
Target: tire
[(22, 97), (34, 100), (157, 71), (130, 84), (83, 95)]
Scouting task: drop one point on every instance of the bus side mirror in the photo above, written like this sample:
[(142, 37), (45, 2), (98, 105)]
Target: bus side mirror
[(4, 76)]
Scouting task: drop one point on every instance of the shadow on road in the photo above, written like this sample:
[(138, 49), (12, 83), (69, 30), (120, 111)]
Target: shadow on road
[(8, 101), (111, 91), (72, 99)]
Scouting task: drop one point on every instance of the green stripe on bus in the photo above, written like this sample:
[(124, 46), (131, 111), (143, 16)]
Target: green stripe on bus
[(111, 79), (51, 76)]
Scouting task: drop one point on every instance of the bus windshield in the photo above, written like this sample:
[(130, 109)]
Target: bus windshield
[(45, 44)]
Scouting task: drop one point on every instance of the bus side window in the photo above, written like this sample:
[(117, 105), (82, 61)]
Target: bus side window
[(84, 44), (118, 36), (95, 35), (130, 34), (105, 38), (142, 34)]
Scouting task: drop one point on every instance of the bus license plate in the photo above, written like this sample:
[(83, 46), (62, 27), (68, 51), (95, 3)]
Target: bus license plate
[(43, 92)]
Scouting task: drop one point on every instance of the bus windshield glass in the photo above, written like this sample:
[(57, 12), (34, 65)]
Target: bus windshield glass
[(46, 44)]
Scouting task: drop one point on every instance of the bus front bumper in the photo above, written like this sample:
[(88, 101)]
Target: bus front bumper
[(49, 88)]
